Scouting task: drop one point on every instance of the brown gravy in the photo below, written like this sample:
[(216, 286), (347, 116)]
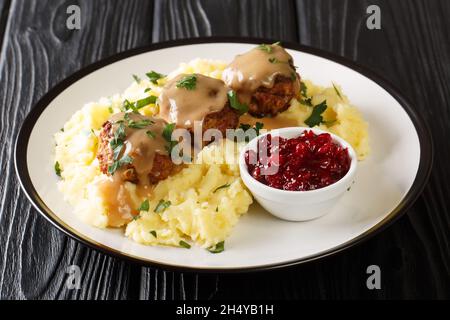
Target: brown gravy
[(256, 68), (183, 106), (142, 148)]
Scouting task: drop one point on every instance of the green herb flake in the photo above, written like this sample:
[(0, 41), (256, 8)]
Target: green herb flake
[(218, 248), (303, 89), (184, 244), (137, 79), (274, 60), (167, 135), (188, 82), (62, 129), (293, 76), (235, 104), (136, 217), (135, 106), (154, 76), (110, 109), (153, 232), (144, 206), (119, 163), (57, 169), (258, 127), (316, 118), (162, 205), (221, 187), (140, 124), (151, 134), (337, 91)]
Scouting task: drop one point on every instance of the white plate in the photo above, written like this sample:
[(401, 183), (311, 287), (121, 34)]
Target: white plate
[(387, 182)]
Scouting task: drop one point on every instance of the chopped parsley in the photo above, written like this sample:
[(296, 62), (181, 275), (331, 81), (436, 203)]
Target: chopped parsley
[(337, 91), (235, 104), (218, 248), (221, 187), (153, 232), (119, 163), (258, 126), (293, 76), (135, 106), (274, 60), (110, 109), (154, 76), (151, 134), (316, 116), (184, 244), (162, 205), (136, 78), (188, 82), (140, 124), (268, 47), (305, 100), (57, 169), (167, 135), (144, 206)]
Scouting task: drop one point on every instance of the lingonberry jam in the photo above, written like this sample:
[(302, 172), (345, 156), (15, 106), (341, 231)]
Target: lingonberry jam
[(307, 162)]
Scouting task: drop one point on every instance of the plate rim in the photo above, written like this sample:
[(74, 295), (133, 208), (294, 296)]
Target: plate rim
[(420, 180)]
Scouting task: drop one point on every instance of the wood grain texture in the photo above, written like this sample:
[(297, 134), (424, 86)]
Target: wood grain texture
[(38, 52), (412, 50)]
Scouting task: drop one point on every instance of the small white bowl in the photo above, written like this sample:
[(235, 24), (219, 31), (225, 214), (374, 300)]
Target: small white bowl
[(297, 205)]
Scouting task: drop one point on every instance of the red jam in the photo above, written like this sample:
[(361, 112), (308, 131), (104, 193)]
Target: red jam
[(307, 162)]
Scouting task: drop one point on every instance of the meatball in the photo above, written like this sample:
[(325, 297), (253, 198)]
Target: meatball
[(271, 101), (227, 118), (204, 101), (264, 78), (162, 164)]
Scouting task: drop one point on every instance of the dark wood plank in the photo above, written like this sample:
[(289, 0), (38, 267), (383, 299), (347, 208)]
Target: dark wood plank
[(412, 50), (38, 52)]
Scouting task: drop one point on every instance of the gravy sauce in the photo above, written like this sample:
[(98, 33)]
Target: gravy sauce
[(182, 106), (256, 68), (141, 146)]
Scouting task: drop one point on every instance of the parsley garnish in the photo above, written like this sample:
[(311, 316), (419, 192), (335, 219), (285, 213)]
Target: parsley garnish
[(304, 93), (268, 47), (337, 91), (184, 244), (151, 134), (110, 109), (303, 89), (154, 76), (135, 106), (235, 104), (167, 135), (153, 232), (221, 187), (162, 205), (274, 60), (140, 124), (218, 248), (57, 169), (119, 163), (188, 82), (144, 206), (316, 116), (258, 126), (136, 78)]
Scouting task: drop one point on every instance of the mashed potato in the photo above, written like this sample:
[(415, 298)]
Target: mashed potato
[(199, 210)]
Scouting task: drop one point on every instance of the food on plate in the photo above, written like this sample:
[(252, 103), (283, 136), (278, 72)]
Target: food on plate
[(264, 78), (132, 148), (201, 203), (307, 162), (195, 97), (114, 160)]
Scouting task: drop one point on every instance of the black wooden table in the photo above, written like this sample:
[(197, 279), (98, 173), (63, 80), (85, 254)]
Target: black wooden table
[(412, 50)]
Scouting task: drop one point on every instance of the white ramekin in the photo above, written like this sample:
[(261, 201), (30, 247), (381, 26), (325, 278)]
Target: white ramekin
[(297, 205)]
